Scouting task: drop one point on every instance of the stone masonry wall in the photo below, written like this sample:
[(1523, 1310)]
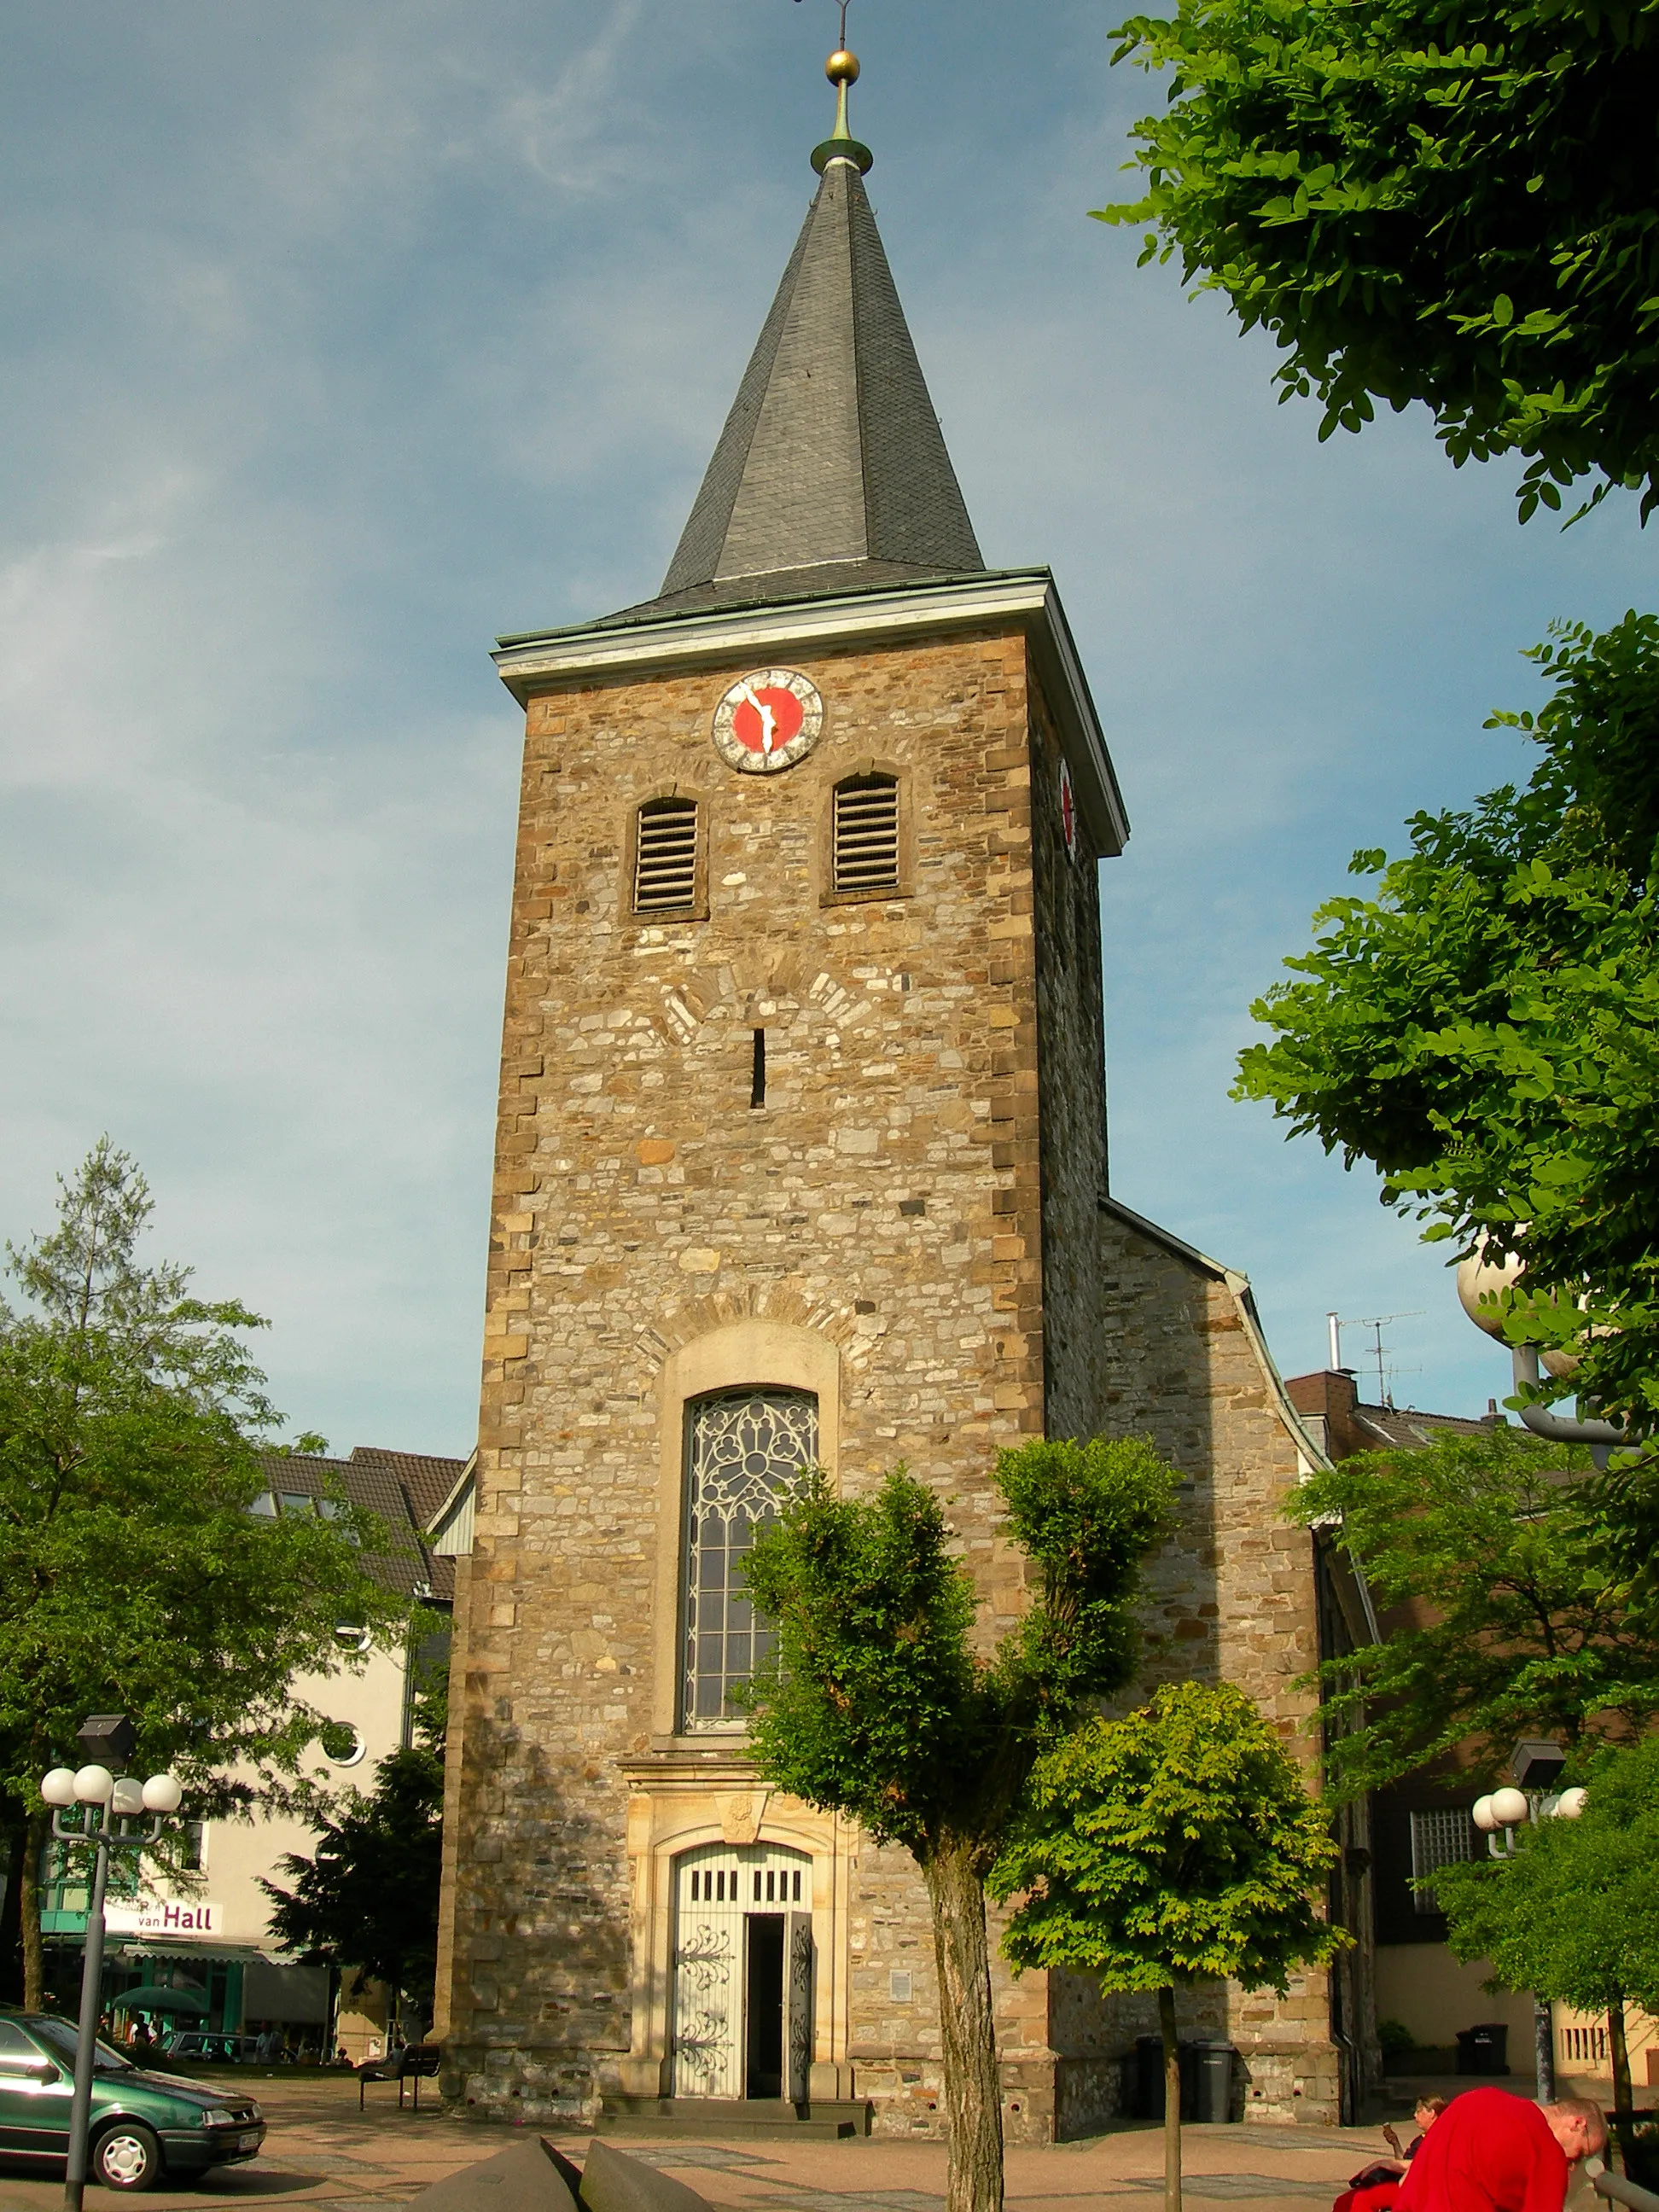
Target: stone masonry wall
[(887, 1195), (923, 1190), (1233, 1596), (1070, 1046)]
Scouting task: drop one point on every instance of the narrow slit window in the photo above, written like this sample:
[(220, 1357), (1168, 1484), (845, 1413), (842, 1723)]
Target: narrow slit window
[(866, 856), (665, 857), (757, 1077)]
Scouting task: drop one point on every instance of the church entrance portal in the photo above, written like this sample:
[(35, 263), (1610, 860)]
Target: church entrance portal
[(743, 1972)]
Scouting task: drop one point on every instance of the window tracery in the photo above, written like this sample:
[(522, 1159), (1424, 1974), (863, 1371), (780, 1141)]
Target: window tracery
[(744, 1451)]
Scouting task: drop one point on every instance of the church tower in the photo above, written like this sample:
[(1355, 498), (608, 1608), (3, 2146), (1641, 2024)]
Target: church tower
[(801, 1158)]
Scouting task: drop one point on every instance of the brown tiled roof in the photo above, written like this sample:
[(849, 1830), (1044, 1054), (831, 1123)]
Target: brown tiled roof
[(395, 1485), (1403, 1428), (1345, 1425), (427, 1480)]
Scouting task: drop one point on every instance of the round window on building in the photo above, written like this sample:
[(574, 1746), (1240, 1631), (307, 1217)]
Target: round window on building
[(342, 1745)]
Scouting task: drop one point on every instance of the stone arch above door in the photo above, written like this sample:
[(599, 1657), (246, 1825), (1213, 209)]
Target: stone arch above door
[(686, 1815)]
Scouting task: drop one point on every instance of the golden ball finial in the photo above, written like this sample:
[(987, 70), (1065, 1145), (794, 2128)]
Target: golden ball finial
[(842, 68)]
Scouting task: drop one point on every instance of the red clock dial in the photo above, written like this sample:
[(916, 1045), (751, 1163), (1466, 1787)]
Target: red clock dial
[(771, 718)]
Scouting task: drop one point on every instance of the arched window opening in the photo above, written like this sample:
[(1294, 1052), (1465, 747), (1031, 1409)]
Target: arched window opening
[(666, 856), (865, 843), (744, 1451)]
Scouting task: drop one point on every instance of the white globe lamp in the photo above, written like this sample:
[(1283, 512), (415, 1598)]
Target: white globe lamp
[(57, 1788), (162, 1793), (1569, 1804), (1482, 1278), (1509, 1807), (127, 1797), (95, 1785), (1483, 1816)]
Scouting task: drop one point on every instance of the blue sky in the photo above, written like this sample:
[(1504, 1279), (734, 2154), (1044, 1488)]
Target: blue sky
[(341, 335)]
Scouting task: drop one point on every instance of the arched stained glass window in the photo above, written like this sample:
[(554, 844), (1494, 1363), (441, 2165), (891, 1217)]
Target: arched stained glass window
[(743, 1451)]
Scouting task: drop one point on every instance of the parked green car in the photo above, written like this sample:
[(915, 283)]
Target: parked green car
[(143, 2125)]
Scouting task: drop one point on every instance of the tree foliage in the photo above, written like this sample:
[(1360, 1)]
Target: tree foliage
[(368, 1897), (1574, 1914), (133, 1577), (1510, 1619), (1180, 1843), (1452, 201), (876, 1703), (1484, 1027), (880, 1704), (1177, 1844)]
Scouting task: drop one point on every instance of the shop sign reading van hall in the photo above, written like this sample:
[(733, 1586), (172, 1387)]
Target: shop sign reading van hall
[(165, 1916)]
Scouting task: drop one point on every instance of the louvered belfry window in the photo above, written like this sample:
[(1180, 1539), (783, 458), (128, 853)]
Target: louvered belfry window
[(866, 855), (665, 857)]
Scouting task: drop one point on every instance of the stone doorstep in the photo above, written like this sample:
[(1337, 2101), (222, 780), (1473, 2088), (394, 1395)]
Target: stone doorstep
[(754, 2118)]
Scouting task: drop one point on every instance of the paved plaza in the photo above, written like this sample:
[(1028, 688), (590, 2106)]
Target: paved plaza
[(320, 2151)]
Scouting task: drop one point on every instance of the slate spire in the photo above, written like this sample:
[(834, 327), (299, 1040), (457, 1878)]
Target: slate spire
[(831, 470)]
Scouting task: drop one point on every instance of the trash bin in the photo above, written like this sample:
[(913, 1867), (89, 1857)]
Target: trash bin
[(1186, 2053), (1212, 2070), (1483, 2049), (1149, 2078)]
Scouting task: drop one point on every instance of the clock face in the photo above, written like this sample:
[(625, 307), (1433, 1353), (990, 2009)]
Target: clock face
[(768, 720)]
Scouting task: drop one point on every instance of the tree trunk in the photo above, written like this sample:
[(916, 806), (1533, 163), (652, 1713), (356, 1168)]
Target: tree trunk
[(35, 1834), (1624, 2110), (15, 1842), (973, 2087), (1166, 2020)]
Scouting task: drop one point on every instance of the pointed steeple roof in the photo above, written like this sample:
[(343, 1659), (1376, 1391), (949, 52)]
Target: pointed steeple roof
[(831, 471)]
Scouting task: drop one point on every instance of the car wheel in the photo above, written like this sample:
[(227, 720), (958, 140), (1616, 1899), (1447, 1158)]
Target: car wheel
[(127, 2156)]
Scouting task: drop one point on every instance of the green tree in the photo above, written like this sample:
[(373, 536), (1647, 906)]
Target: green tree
[(1483, 1028), (368, 1897), (133, 1576), (1505, 1617), (1574, 1914), (1178, 1845), (878, 1706), (1451, 201)]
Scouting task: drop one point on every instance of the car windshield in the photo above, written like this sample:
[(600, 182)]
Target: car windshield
[(59, 2037)]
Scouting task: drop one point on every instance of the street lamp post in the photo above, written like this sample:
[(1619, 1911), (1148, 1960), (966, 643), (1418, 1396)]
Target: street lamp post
[(1484, 1279), (92, 1805), (1502, 1812)]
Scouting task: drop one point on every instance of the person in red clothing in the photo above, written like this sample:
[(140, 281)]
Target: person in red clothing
[(1490, 2152)]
